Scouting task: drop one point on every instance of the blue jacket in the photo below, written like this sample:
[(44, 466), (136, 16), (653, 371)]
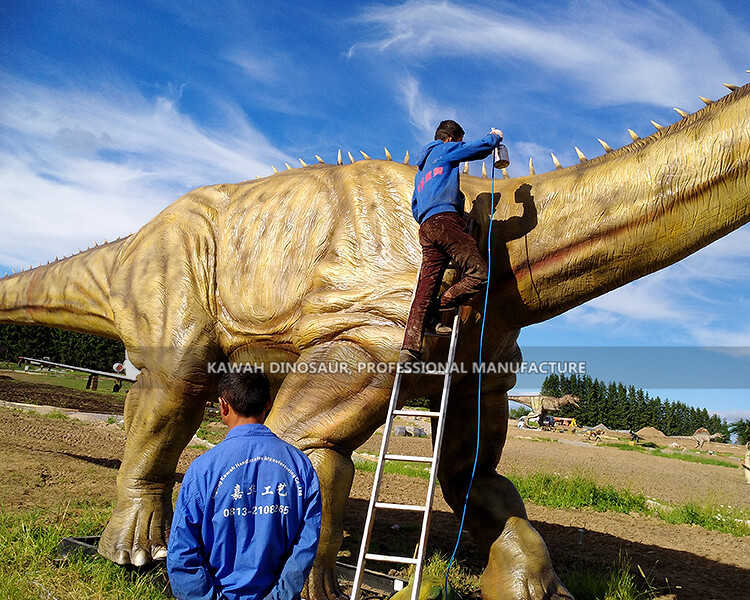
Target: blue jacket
[(436, 188), (247, 520)]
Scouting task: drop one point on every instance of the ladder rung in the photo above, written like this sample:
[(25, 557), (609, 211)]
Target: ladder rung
[(440, 372), (394, 559), (414, 507), (415, 413), (407, 458)]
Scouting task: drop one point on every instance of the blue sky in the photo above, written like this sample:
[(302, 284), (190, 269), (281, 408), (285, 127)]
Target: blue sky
[(109, 113)]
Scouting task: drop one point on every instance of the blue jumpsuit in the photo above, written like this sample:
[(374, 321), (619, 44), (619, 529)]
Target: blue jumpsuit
[(247, 520)]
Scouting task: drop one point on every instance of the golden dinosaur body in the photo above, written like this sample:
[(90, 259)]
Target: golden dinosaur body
[(319, 263)]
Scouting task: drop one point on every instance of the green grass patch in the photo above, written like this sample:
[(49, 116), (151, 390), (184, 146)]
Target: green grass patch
[(69, 379), (30, 567), (693, 458), (410, 469), (461, 579), (721, 518), (211, 435), (56, 414), (616, 582), (547, 489), (579, 492)]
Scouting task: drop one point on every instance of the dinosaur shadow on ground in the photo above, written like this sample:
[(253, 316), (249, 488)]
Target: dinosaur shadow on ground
[(697, 577)]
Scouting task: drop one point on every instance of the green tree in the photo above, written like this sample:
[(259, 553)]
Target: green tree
[(741, 429)]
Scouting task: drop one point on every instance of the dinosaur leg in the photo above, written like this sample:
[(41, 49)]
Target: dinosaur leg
[(327, 416), (519, 566), (161, 415), (163, 313)]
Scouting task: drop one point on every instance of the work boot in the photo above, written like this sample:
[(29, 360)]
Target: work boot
[(434, 325), (437, 329)]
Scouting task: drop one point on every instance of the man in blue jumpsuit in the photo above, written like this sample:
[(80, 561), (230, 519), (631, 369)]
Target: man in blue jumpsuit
[(247, 519), (438, 207)]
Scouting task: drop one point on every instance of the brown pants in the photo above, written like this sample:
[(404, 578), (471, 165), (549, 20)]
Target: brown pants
[(443, 237)]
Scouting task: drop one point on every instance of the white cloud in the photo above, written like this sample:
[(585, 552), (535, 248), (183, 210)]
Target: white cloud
[(695, 297), (257, 67), (618, 53), (424, 112), (84, 165)]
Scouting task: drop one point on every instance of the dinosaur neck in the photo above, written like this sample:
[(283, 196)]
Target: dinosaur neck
[(72, 293), (596, 226)]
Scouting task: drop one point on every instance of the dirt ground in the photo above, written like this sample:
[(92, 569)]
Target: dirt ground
[(46, 462), (665, 479)]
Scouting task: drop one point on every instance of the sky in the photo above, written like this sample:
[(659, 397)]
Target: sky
[(110, 111)]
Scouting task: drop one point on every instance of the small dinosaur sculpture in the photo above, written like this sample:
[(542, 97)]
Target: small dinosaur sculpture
[(702, 435), (541, 405), (746, 464), (318, 264)]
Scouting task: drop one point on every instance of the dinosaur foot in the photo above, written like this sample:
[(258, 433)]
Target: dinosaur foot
[(322, 584), (520, 568), (138, 531)]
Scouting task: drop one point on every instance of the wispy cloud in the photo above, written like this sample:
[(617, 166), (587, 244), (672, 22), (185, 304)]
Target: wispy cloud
[(701, 299), (618, 52), (256, 67), (424, 112), (83, 165)]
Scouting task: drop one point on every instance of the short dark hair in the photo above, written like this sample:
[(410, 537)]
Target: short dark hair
[(449, 129), (246, 393)]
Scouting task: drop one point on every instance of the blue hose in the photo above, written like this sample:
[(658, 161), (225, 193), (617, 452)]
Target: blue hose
[(479, 388)]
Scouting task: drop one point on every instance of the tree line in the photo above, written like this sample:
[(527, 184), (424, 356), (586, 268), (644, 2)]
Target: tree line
[(69, 347), (626, 407)]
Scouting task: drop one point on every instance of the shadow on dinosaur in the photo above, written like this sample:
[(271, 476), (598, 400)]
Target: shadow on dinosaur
[(319, 264)]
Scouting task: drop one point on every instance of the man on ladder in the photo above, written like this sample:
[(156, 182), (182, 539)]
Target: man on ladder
[(438, 207)]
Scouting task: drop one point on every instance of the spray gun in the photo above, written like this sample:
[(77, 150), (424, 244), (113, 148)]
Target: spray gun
[(500, 156)]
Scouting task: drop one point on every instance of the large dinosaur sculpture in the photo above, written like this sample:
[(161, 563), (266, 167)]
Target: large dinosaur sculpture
[(541, 405), (319, 263), (702, 435)]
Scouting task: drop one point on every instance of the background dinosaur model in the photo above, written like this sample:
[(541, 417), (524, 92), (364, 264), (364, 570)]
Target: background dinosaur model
[(701, 436), (746, 464), (318, 264), (541, 405)]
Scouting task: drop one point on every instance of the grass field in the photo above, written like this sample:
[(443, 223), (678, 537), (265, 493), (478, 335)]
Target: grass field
[(30, 566), (557, 491), (69, 379), (694, 458)]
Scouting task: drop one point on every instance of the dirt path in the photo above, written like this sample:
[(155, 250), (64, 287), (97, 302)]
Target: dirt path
[(667, 479), (704, 564), (47, 462)]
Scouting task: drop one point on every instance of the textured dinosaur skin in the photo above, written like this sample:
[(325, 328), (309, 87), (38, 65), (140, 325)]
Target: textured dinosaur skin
[(319, 263), (541, 405)]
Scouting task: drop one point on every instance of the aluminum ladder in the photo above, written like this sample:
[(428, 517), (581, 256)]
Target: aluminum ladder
[(433, 461)]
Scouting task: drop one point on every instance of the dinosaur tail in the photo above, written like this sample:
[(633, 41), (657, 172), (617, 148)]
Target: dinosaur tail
[(72, 293)]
